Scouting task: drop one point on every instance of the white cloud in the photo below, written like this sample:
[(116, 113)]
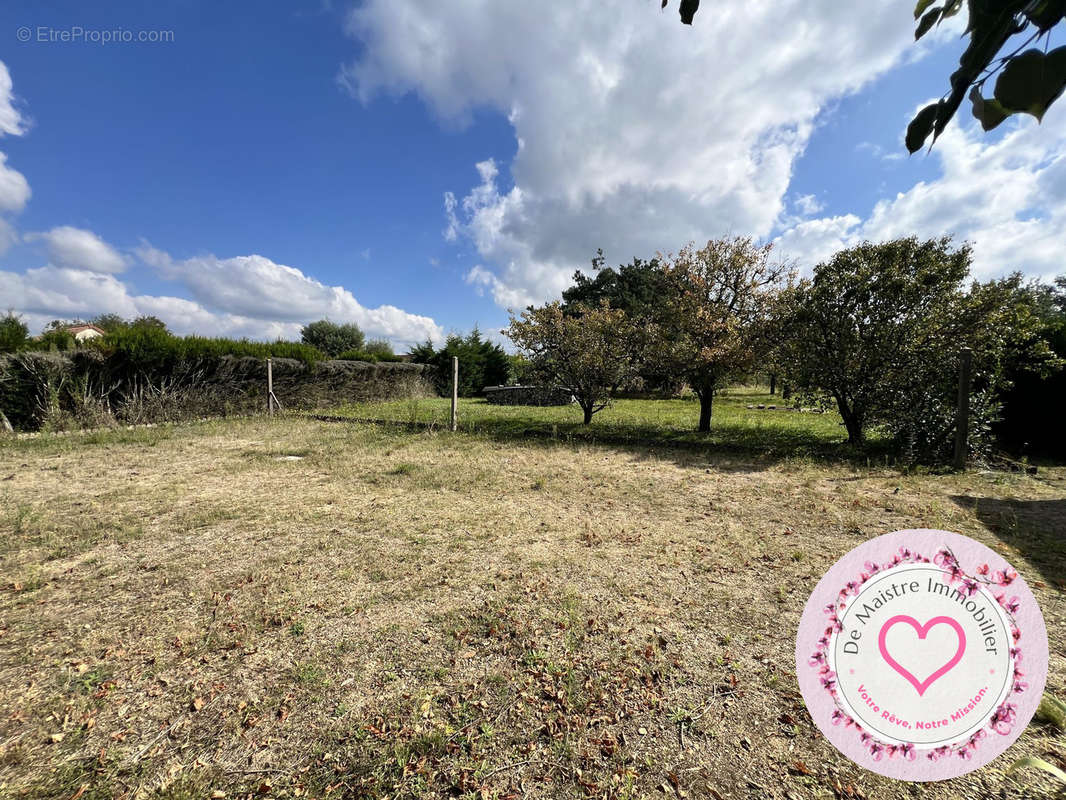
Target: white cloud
[(14, 188), (504, 296), (256, 286), (77, 248), (50, 292), (242, 296), (8, 235), (152, 256), (12, 123), (633, 132), (808, 204), (1006, 195)]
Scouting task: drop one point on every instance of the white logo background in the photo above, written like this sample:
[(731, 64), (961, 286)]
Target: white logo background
[(940, 710)]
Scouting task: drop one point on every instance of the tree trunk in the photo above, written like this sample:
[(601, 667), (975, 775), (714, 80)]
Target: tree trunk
[(588, 413), (786, 391), (852, 422), (773, 382), (706, 399)]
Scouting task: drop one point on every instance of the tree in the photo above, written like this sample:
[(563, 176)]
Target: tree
[(113, 322), (879, 330), (714, 323), (852, 327), (636, 288), (481, 363), (332, 338), (14, 333), (590, 353), (109, 322), (379, 347), (149, 321), (1028, 82), (1030, 422), (639, 289)]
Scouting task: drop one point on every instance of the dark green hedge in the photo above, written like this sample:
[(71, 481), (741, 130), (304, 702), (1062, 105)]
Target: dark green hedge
[(370, 358)]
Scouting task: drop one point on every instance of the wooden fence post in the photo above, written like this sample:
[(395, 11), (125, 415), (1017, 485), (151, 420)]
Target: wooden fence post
[(455, 393), (270, 387), (962, 411)]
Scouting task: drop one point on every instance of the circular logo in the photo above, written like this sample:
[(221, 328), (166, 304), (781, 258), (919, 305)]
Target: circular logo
[(922, 655)]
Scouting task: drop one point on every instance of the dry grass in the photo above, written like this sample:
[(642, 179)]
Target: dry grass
[(184, 612)]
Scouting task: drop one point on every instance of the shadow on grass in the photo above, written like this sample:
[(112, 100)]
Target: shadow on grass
[(1037, 528), (728, 445)]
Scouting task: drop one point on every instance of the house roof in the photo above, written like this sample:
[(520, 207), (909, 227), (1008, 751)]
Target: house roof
[(76, 329)]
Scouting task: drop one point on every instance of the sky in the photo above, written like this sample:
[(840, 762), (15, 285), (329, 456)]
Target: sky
[(418, 167)]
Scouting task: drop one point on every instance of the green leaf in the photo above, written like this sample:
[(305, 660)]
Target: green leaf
[(951, 8), (1032, 81), (928, 21), (688, 10), (1052, 711), (1046, 15), (1039, 763), (921, 126), (987, 111), (922, 6)]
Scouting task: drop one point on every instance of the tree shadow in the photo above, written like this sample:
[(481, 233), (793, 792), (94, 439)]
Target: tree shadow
[(726, 447), (1037, 528)]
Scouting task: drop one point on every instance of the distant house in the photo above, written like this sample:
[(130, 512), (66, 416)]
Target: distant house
[(83, 333)]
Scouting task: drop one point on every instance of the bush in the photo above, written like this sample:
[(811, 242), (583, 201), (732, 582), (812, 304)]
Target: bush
[(481, 363), (14, 333), (149, 348), (332, 338)]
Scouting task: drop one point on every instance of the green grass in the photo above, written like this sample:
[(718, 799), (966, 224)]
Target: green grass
[(670, 422)]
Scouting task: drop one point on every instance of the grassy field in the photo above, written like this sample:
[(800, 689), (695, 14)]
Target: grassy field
[(735, 427), (297, 608)]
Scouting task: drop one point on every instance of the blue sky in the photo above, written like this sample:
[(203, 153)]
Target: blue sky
[(374, 149)]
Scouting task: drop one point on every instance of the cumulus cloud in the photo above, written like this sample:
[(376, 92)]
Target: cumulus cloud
[(77, 248), (808, 204), (633, 132), (52, 292), (12, 123), (240, 296), (14, 188), (255, 286), (1006, 195)]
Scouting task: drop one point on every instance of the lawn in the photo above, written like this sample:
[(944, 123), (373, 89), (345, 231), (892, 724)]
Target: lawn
[(299, 608), (769, 431)]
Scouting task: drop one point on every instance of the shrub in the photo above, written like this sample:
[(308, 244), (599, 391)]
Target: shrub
[(14, 333), (379, 347), (481, 363), (332, 338)]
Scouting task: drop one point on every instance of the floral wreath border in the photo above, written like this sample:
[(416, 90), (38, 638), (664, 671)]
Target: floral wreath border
[(1002, 719)]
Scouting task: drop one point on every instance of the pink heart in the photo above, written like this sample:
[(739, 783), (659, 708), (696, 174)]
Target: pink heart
[(921, 630)]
